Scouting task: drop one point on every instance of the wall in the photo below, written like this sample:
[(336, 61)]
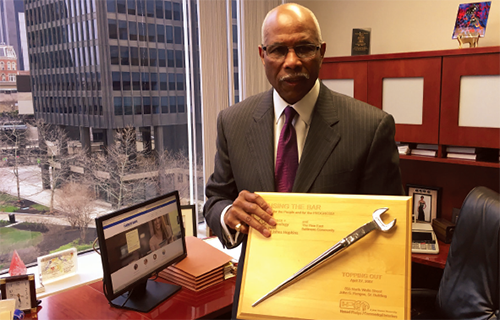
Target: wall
[(396, 26)]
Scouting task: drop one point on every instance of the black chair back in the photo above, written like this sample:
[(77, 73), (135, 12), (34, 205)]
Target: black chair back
[(470, 286)]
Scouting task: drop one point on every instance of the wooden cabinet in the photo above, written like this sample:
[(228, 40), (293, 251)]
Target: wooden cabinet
[(439, 77)]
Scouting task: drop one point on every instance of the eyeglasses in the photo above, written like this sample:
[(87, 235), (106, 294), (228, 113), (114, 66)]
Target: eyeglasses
[(303, 51)]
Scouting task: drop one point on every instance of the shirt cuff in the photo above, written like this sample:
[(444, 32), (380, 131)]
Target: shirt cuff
[(228, 234)]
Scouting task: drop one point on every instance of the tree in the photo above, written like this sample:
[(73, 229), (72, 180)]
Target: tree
[(126, 175), (15, 148), (75, 201), (53, 145)]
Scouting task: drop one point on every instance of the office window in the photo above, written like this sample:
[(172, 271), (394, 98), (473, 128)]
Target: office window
[(179, 59), (141, 9), (113, 31), (127, 103), (170, 58), (137, 105), (136, 81), (159, 9), (131, 6), (168, 10), (146, 101), (164, 104), (121, 7), (144, 57), (150, 6), (132, 29), (180, 82), (178, 35), (163, 81), (152, 57), (116, 81), (134, 56), (126, 81), (125, 61), (162, 62), (142, 31), (160, 33), (145, 81), (177, 11), (111, 4), (171, 81), (113, 50), (172, 103), (151, 32), (170, 34), (129, 70), (155, 104), (154, 81), (180, 104), (118, 106), (122, 29)]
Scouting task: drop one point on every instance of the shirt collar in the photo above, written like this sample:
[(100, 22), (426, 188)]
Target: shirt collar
[(304, 107)]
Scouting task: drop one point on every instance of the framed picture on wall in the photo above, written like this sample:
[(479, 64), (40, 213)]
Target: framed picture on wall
[(426, 202)]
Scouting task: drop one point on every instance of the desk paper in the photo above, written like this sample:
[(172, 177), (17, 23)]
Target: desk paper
[(368, 280)]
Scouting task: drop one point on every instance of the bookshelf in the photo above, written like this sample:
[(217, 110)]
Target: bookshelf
[(439, 77)]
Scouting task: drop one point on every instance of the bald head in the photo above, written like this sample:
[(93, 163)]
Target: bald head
[(290, 14)]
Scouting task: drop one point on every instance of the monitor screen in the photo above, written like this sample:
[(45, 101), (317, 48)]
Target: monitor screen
[(137, 242)]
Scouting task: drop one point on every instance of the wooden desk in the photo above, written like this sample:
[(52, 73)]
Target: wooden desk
[(433, 260), (89, 302)]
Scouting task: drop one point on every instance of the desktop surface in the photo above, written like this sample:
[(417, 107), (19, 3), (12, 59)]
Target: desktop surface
[(89, 302)]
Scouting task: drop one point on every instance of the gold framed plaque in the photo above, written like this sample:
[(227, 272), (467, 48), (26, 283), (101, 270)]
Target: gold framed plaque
[(371, 279)]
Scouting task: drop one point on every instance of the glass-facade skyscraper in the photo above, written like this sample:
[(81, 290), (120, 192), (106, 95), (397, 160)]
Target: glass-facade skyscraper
[(110, 64)]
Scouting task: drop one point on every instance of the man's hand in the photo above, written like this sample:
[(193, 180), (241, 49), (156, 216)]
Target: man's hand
[(241, 212)]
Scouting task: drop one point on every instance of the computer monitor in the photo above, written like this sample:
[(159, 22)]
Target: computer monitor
[(136, 243)]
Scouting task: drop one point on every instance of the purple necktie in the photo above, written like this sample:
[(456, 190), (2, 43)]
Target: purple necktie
[(287, 158)]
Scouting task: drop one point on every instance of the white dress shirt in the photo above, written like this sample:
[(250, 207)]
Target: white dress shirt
[(301, 123)]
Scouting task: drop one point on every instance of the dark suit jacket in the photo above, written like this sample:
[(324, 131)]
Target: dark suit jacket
[(349, 149)]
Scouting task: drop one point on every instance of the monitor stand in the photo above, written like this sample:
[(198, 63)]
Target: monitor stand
[(146, 295)]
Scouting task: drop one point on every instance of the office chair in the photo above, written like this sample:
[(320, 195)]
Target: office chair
[(470, 286)]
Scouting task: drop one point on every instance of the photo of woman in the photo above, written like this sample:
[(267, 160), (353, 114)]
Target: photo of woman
[(161, 233), (422, 207)]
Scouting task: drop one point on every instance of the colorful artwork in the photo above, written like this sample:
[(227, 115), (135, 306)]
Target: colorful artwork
[(472, 19)]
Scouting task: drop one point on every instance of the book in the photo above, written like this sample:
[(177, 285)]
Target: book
[(368, 280), (360, 42), (424, 146), (403, 148), (468, 150), (482, 154), (422, 152), (466, 156)]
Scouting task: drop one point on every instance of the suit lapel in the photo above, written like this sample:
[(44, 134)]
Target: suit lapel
[(321, 140), (260, 141)]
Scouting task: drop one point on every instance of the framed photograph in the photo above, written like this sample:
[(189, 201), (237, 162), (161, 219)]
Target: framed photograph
[(189, 219), (426, 202), (57, 266), (471, 19)]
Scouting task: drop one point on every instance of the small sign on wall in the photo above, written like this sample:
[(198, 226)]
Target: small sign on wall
[(360, 41)]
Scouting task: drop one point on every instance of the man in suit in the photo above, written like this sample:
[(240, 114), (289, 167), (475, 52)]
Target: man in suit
[(343, 145)]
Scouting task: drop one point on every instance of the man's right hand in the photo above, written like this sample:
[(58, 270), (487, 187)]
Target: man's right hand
[(243, 207)]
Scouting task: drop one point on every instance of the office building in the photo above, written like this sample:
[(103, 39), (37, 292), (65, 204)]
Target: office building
[(97, 66), (12, 30)]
